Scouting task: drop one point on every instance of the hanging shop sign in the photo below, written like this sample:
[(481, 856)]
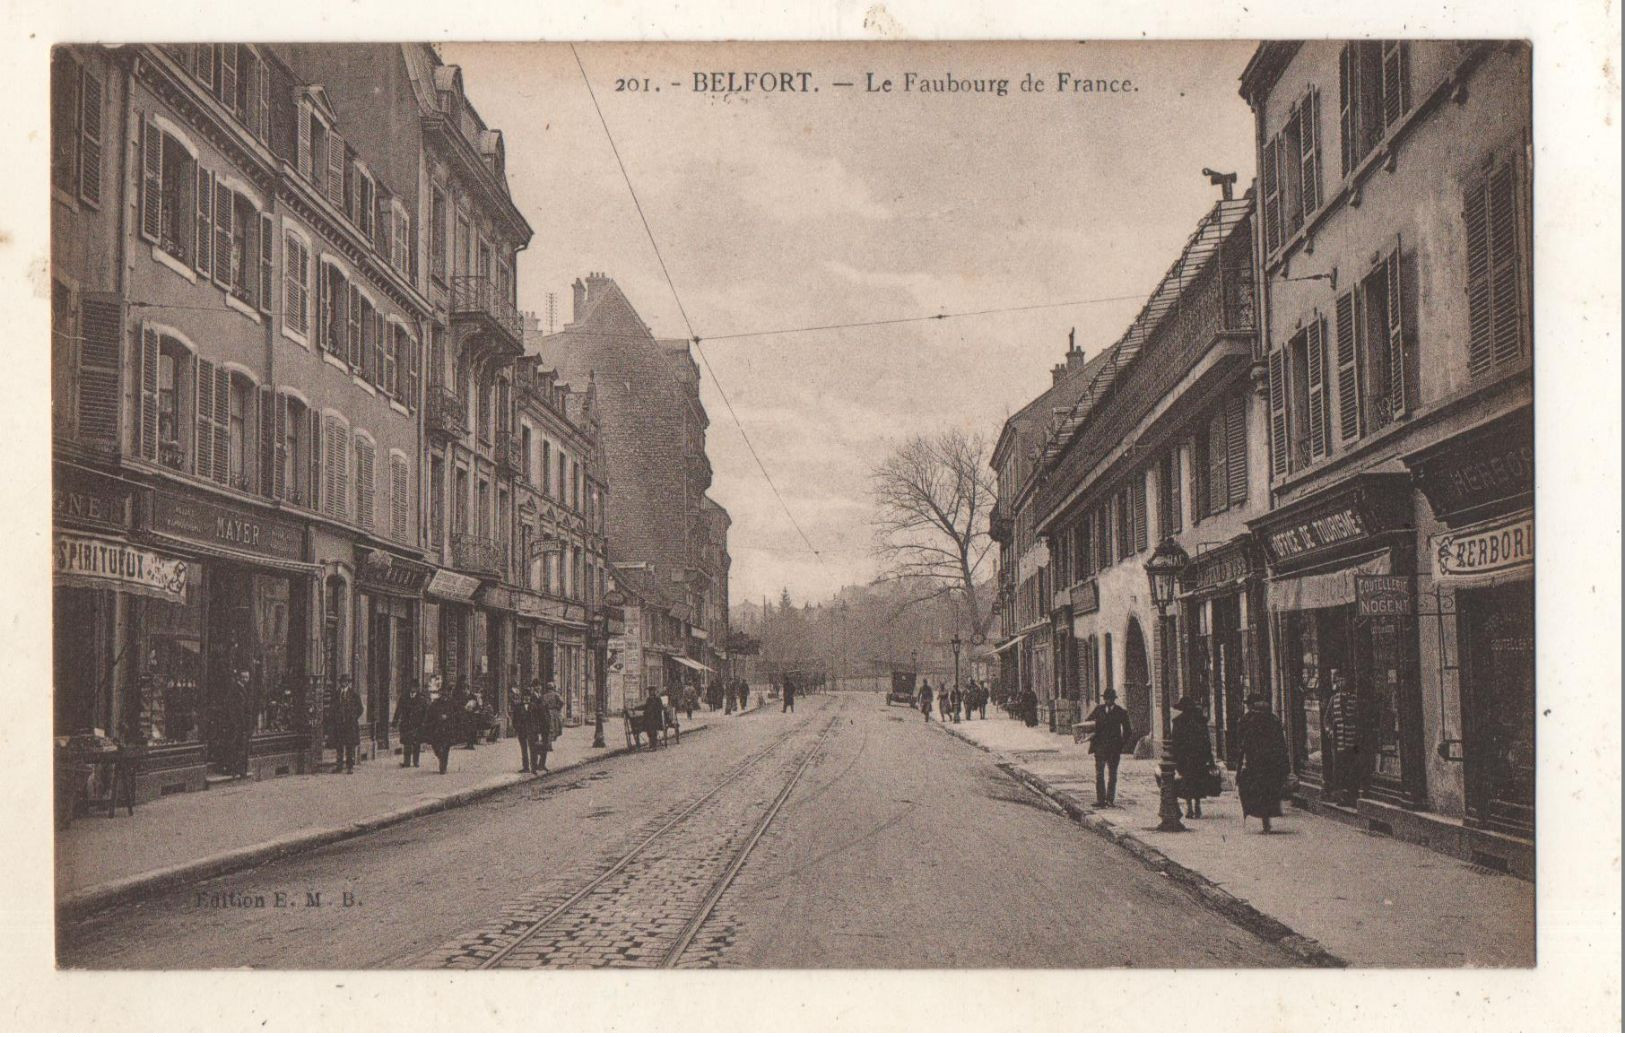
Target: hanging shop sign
[(453, 586), (1489, 468), (1493, 550), (1086, 597), (392, 574), (83, 499), (1384, 595), (233, 528), (1220, 567), (88, 561), (497, 597)]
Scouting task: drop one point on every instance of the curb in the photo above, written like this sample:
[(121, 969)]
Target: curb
[(1239, 911), (109, 894)]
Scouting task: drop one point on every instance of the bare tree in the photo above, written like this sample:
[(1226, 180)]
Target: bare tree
[(931, 497)]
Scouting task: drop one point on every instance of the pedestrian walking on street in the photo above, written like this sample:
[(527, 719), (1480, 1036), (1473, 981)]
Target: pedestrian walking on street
[(410, 712), (654, 716), (549, 721), (925, 700), (942, 702), (982, 695), (956, 701), (1262, 765), (347, 710), (1112, 734), (1193, 756), (441, 720), (522, 713), (1029, 708), (789, 697)]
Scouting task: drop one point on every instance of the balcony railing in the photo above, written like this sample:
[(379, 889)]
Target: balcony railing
[(479, 298), (477, 554), (444, 413)]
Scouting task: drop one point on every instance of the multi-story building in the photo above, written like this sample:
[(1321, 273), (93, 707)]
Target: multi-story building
[(238, 320), (407, 107), (1026, 654), (1396, 294), (1164, 446), (711, 639), (562, 525), (654, 453)]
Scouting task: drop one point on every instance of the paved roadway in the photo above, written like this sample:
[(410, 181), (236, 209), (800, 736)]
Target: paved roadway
[(897, 846)]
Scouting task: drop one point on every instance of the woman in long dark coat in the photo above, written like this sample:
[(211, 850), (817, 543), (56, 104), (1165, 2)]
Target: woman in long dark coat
[(1193, 755), (1262, 767), (442, 723)]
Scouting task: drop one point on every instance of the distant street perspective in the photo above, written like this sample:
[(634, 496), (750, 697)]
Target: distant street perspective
[(777, 506)]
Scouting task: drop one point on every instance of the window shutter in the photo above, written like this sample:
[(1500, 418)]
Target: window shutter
[(1138, 491), (341, 466), (413, 377), (147, 430), (1310, 152), (1480, 309), (1176, 505), (279, 447), (228, 75), (369, 336), (380, 352), (390, 337), (1235, 415), (1398, 367), (152, 180), (335, 169), (1218, 465), (1348, 80), (261, 116), (1272, 200), (267, 286), (102, 327), (1396, 85), (1279, 462), (314, 484), (330, 468), (1348, 371), (354, 325), (398, 497), (203, 63), (364, 483), (66, 110), (222, 425), (302, 149), (295, 272), (224, 225), (90, 138), (204, 382), (269, 426), (1317, 390), (1505, 281), (203, 253)]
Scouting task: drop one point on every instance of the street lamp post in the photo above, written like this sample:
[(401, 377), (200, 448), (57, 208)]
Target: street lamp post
[(596, 635), (957, 644), (1163, 569)]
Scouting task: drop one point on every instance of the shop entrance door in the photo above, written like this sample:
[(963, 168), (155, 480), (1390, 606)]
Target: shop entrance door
[(1228, 691), (380, 670), (1499, 634), (1136, 681)]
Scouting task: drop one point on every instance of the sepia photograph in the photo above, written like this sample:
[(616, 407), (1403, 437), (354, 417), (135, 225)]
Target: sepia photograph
[(870, 505)]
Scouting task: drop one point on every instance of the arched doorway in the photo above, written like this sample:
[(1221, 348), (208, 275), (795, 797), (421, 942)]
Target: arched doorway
[(1136, 680)]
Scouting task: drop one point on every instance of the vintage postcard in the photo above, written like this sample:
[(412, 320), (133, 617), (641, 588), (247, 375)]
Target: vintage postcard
[(853, 507)]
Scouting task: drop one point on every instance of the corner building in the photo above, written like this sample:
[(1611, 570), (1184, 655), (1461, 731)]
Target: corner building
[(1396, 287)]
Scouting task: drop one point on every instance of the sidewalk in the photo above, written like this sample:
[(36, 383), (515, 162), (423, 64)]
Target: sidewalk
[(101, 861), (1327, 891)]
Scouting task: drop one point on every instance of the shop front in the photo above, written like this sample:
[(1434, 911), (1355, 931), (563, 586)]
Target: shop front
[(1221, 598), (229, 666), (1481, 561), (389, 596), (494, 674), (1343, 625), (448, 620)]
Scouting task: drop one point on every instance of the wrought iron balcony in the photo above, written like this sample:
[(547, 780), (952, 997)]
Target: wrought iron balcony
[(477, 554), (475, 298), (444, 413)]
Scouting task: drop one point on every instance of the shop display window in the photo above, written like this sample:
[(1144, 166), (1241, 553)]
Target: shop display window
[(168, 698)]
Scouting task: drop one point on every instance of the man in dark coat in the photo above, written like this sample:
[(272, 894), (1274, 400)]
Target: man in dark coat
[(1193, 755), (410, 712), (654, 716), (442, 722), (522, 714), (347, 710), (1112, 734), (1262, 764), (1343, 732), (789, 696), (236, 713)]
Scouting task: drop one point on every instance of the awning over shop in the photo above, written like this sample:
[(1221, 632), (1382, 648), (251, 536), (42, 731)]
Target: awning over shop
[(103, 563), (453, 586), (1325, 589), (691, 664), (1000, 649)]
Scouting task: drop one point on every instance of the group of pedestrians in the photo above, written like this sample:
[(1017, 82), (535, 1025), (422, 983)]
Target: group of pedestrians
[(955, 703)]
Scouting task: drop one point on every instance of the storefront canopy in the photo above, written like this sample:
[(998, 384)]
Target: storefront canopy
[(691, 664), (1325, 589), (1009, 644)]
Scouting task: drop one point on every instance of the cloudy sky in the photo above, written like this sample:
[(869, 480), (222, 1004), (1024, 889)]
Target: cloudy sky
[(845, 205)]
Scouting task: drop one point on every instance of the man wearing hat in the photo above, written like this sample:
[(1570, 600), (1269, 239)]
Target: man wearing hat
[(1112, 733)]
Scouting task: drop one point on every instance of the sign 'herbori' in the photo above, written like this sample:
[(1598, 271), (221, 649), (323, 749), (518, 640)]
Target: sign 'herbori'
[(1484, 551)]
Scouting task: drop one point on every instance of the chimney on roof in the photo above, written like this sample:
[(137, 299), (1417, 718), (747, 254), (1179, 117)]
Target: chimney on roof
[(579, 300), (1056, 373), (1074, 355)]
